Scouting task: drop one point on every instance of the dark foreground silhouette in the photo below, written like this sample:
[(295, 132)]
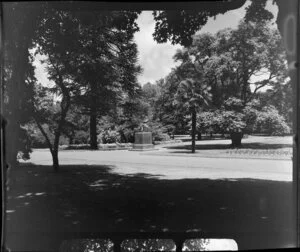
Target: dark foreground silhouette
[(44, 208)]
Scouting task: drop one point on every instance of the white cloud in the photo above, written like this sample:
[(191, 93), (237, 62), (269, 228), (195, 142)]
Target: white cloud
[(155, 59)]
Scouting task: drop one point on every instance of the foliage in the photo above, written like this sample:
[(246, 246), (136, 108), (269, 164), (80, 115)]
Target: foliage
[(19, 23), (80, 137), (109, 136), (178, 26), (270, 122), (281, 98), (250, 119), (38, 140), (233, 57), (165, 110), (191, 95)]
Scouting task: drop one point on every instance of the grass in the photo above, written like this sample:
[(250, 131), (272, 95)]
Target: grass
[(45, 207), (252, 147)]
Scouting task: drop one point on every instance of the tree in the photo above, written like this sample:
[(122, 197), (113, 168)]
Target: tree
[(236, 119), (165, 111), (109, 63), (281, 97), (270, 122), (85, 64), (19, 23), (178, 26), (190, 97), (228, 61), (52, 115), (20, 20), (56, 39)]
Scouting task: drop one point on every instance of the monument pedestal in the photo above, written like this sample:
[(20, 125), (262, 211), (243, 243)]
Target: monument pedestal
[(142, 141)]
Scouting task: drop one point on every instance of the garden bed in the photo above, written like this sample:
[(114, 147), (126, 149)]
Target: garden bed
[(110, 146)]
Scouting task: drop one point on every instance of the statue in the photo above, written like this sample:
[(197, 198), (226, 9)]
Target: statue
[(143, 138), (144, 127)]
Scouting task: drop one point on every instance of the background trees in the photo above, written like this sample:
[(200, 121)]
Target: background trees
[(22, 21), (236, 65)]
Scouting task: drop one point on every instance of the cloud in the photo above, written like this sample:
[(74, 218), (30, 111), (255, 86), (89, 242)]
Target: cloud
[(155, 59)]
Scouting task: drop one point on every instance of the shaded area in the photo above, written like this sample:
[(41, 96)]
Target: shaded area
[(44, 206)]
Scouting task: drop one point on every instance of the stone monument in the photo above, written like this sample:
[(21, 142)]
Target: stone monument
[(143, 139)]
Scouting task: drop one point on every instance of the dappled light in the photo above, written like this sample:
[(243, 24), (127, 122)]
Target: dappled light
[(115, 140), (144, 203), (86, 245), (210, 245), (148, 245)]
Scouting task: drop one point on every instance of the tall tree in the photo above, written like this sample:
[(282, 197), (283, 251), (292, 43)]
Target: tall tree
[(191, 96), (109, 62), (19, 23), (56, 39)]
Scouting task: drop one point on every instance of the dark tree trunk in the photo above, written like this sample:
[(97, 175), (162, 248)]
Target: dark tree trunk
[(15, 106), (93, 131), (19, 37), (93, 118), (199, 136), (123, 137), (71, 140), (193, 130), (55, 160), (236, 139)]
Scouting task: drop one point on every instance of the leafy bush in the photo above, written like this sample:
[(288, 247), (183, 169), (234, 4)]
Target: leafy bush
[(81, 137), (38, 140), (109, 136), (161, 137), (249, 119), (270, 122)]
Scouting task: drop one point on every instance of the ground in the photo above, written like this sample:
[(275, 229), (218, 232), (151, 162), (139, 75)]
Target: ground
[(163, 191)]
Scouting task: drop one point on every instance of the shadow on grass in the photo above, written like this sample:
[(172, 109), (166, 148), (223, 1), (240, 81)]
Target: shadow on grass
[(254, 145), (84, 199)]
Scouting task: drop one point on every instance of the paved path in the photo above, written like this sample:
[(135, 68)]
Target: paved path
[(173, 167)]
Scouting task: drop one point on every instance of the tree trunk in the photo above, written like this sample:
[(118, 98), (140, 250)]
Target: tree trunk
[(71, 140), (199, 136), (55, 160), (93, 131), (193, 130), (15, 106), (93, 118), (236, 139)]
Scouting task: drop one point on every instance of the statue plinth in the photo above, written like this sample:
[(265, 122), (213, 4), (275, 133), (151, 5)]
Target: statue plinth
[(143, 141)]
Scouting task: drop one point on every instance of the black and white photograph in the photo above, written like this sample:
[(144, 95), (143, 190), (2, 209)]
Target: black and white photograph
[(149, 126)]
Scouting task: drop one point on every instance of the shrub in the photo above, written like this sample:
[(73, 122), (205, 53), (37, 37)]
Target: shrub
[(39, 141), (270, 122), (161, 137), (81, 137), (110, 136)]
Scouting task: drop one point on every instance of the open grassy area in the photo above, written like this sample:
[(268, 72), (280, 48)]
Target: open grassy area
[(45, 207), (265, 147)]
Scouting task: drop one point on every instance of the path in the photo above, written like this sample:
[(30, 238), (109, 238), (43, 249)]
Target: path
[(174, 167)]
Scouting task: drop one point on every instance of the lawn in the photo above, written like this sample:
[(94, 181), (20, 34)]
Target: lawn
[(262, 147), (44, 207)]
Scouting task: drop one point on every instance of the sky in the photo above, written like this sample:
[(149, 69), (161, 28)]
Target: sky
[(157, 59)]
